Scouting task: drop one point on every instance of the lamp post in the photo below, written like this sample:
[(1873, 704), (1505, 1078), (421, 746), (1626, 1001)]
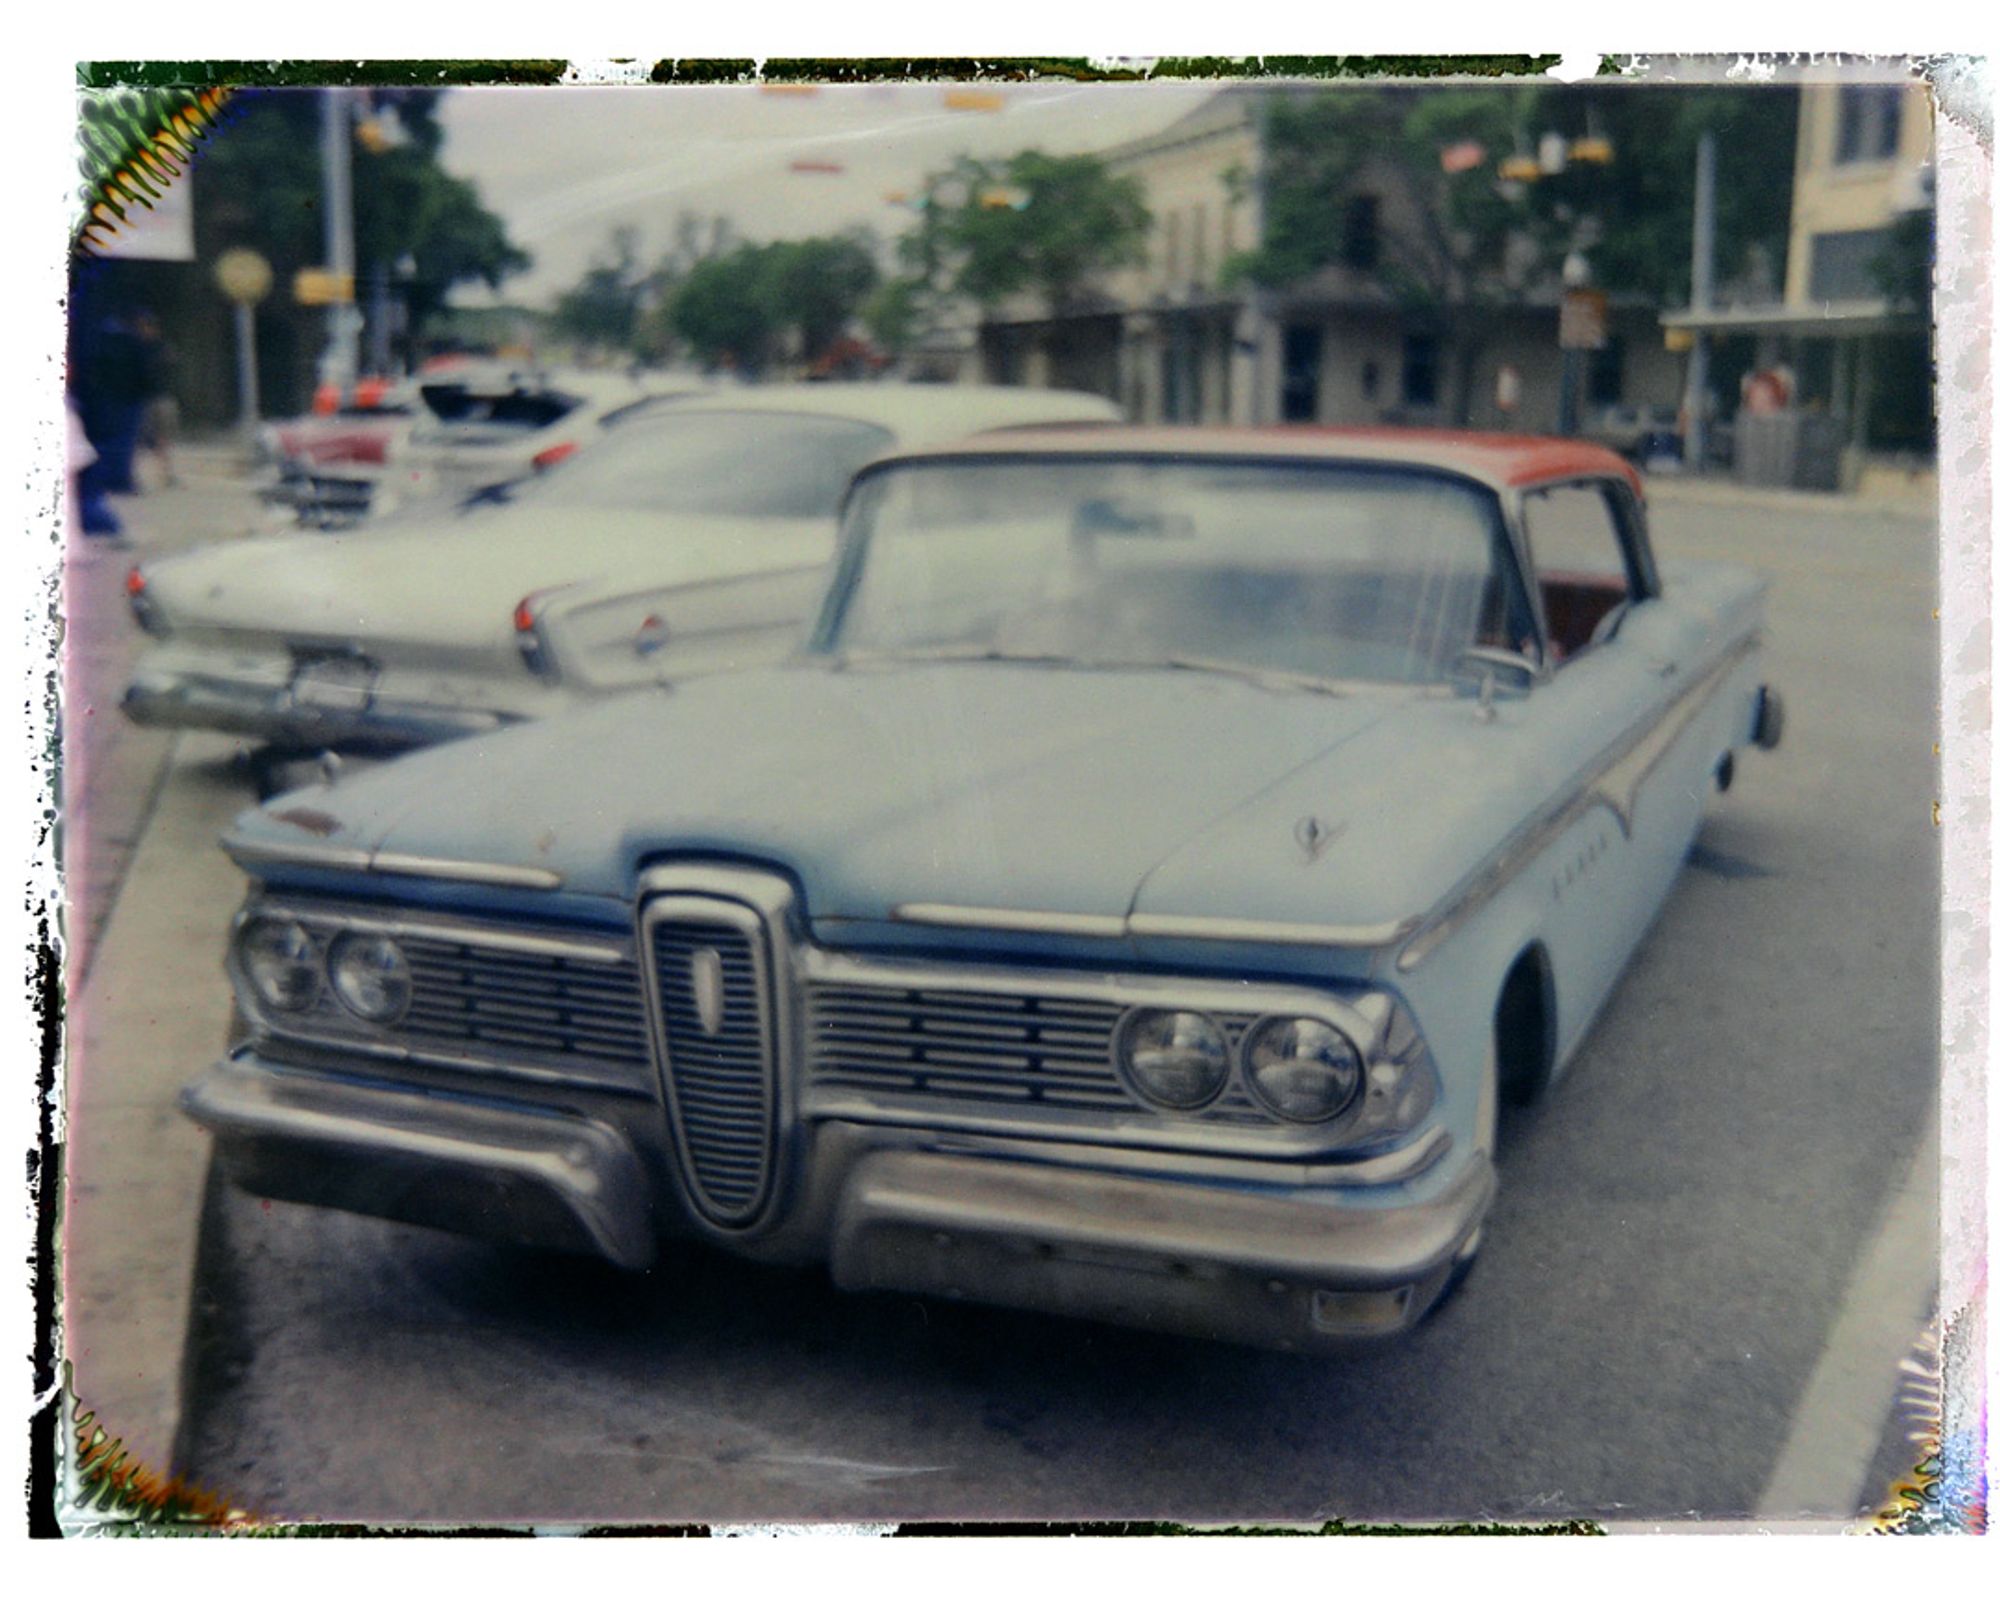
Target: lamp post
[(1573, 339), (245, 279)]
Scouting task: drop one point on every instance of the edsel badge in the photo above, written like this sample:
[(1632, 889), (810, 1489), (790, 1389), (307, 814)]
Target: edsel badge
[(705, 978)]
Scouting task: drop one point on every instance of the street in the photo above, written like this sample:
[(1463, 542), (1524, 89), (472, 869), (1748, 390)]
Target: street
[(1703, 1226)]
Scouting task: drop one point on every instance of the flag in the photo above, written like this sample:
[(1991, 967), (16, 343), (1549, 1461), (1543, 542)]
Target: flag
[(1465, 154)]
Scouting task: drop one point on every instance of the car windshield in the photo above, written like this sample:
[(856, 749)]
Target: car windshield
[(714, 463), (1320, 573)]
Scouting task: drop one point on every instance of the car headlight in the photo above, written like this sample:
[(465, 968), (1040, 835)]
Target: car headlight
[(1173, 1058), (1302, 1070), (281, 962), (370, 976)]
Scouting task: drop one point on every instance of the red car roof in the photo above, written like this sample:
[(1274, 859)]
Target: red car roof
[(1501, 460)]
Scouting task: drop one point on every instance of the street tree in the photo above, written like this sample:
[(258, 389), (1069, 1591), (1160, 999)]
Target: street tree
[(259, 184), (782, 299), (601, 311), (1452, 241), (1353, 181), (1036, 224)]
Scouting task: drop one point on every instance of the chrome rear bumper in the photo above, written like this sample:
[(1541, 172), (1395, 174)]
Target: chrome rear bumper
[(270, 713)]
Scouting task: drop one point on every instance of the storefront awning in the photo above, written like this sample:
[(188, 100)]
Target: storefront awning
[(1856, 317)]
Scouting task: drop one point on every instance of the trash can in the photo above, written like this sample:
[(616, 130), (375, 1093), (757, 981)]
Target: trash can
[(1790, 448)]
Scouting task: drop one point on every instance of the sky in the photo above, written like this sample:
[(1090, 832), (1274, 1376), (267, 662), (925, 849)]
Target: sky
[(565, 166)]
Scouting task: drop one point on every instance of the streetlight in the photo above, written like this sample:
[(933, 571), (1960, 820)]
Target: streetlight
[(245, 279)]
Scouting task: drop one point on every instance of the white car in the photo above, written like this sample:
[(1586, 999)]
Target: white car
[(449, 434), (694, 538)]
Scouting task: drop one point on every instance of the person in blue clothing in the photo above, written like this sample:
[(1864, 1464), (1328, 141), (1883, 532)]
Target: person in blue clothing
[(117, 373)]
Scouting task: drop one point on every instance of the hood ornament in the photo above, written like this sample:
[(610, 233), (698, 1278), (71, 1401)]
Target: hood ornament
[(1313, 833), (705, 979)]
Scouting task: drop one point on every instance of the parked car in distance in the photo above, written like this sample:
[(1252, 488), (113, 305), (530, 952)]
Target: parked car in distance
[(1170, 850), (447, 434), (691, 538)]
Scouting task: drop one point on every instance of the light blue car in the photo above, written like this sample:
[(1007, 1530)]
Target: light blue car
[(1133, 902)]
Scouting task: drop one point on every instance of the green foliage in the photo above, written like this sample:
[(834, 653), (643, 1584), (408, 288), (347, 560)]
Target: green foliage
[(740, 308), (602, 309), (259, 185), (1443, 237), (1903, 268), (1034, 223), (1634, 216), (897, 313), (1642, 202)]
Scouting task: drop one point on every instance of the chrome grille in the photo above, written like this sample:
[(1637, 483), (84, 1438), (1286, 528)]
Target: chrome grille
[(555, 1007), (1040, 1049), (720, 1078)]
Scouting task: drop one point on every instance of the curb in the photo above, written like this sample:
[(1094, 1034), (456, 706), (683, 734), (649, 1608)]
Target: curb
[(1667, 490)]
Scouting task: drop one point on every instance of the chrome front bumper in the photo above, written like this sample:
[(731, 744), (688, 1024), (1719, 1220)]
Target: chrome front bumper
[(505, 1173), (887, 1208)]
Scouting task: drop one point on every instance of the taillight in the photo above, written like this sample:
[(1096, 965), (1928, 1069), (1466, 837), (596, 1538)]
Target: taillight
[(553, 455), (528, 636), (144, 611)]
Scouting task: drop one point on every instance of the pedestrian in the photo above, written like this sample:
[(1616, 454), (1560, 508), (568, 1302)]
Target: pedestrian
[(113, 381), (93, 512)]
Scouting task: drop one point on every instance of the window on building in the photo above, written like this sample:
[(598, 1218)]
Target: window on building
[(1843, 265), (1198, 246), (1871, 123), (1607, 372), (1361, 233), (1420, 370), (1299, 395)]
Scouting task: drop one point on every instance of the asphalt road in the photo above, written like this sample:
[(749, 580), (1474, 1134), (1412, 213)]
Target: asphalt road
[(1684, 1227)]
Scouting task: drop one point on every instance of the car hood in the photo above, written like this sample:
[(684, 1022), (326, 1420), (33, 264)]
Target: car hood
[(1027, 788), (1167, 794), (446, 579)]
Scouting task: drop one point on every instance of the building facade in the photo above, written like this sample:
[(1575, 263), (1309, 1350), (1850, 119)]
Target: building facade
[(1179, 339), (1850, 338)]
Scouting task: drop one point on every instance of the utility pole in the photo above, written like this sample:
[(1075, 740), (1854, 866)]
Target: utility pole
[(342, 360), (1702, 301)]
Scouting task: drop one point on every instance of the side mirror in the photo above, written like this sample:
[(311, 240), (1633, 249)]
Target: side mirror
[(1486, 670)]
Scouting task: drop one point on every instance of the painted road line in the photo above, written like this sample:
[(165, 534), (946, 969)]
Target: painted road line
[(1847, 1402)]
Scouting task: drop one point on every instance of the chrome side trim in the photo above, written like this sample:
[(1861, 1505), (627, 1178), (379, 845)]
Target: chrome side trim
[(1276, 932), (1186, 928), (248, 850), (973, 917), (470, 933), (468, 870), (1612, 780)]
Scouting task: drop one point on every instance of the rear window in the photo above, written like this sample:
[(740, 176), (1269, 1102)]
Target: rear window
[(716, 463), (526, 411)]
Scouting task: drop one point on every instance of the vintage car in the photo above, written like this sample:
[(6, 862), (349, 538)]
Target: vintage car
[(693, 537), (447, 434), (1134, 901)]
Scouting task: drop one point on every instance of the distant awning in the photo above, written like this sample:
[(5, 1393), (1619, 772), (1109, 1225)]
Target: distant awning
[(1856, 317)]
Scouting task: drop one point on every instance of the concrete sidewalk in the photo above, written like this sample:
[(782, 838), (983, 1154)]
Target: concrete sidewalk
[(153, 1011), (1917, 502), (147, 896)]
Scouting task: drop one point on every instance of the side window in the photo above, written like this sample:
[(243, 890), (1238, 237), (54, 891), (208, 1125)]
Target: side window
[(1580, 563)]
